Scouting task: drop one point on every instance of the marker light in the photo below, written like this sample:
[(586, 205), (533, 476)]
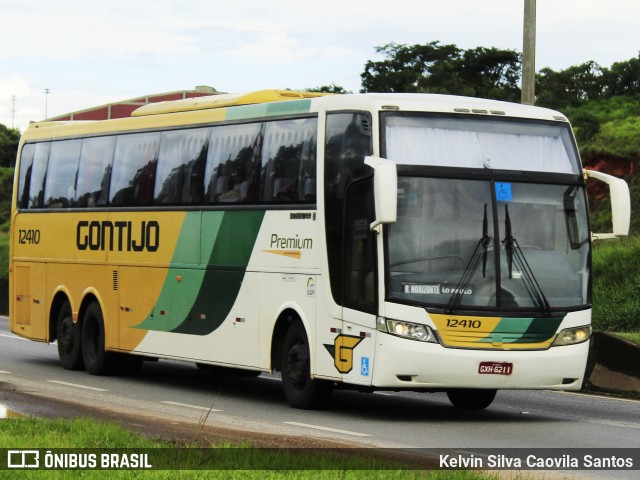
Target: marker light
[(572, 336), (413, 331)]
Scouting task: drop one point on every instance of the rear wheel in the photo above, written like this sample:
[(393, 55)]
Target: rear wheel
[(95, 356), (300, 390), (471, 398), (96, 359), (68, 337)]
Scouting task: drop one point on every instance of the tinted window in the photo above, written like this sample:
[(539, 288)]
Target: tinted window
[(94, 172), (26, 164), (233, 163), (61, 173), (38, 175), (181, 164), (134, 169), (288, 161), (348, 141), (360, 248)]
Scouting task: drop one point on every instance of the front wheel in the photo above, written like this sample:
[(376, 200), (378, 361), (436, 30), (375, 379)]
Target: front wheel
[(300, 390), (471, 398)]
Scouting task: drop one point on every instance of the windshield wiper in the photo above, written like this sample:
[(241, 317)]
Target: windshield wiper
[(479, 253), (514, 254)]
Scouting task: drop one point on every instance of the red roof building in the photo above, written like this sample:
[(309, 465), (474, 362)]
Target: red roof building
[(124, 108)]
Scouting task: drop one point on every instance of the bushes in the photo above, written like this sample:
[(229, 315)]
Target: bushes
[(616, 283), (6, 187)]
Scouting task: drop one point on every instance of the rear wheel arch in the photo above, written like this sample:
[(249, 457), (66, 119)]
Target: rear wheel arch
[(59, 299)]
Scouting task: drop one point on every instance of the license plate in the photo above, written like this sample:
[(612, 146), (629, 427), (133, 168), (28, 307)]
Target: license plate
[(495, 368)]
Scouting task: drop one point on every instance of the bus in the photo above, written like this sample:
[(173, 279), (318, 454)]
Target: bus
[(375, 242)]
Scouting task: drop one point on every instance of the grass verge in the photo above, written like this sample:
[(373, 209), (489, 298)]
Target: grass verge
[(84, 433), (616, 303), (631, 336)]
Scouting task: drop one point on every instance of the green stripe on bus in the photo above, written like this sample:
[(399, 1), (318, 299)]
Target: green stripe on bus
[(268, 109), (199, 302), (230, 256), (523, 330)]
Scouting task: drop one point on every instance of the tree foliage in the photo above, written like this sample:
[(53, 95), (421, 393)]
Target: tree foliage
[(332, 88), (9, 138), (436, 68), (587, 82), (493, 73)]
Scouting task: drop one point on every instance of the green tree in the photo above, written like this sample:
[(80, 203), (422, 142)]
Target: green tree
[(332, 88), (623, 78), (571, 86), (435, 68), (491, 73), (9, 138), (410, 68)]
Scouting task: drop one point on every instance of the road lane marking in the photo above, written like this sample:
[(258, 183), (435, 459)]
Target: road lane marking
[(77, 386), (328, 429), (178, 404), (15, 337), (5, 372)]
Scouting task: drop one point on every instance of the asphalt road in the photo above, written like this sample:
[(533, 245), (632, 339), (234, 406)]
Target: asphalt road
[(174, 390)]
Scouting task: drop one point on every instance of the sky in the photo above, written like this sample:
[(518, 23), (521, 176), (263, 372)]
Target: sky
[(92, 52)]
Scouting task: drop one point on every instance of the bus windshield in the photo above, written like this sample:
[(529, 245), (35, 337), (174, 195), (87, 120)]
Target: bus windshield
[(473, 242), (497, 144)]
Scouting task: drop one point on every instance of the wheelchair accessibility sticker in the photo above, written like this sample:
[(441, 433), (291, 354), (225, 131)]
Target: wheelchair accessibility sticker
[(364, 366)]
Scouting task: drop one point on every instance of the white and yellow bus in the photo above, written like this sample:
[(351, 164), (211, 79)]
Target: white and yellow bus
[(379, 241)]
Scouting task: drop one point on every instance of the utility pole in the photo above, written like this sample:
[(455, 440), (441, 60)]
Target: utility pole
[(529, 54), (46, 95), (13, 112)]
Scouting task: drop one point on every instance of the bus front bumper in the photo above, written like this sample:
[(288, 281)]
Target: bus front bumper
[(412, 365)]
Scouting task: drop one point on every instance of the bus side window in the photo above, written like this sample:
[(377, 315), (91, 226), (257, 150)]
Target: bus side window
[(181, 162), (38, 175), (94, 171), (134, 169), (24, 180), (61, 173), (233, 163), (288, 164)]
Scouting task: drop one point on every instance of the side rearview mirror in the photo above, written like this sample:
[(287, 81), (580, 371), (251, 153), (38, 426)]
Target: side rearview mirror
[(620, 204), (385, 190)]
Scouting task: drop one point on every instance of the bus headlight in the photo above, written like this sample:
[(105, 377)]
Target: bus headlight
[(413, 331), (571, 336)]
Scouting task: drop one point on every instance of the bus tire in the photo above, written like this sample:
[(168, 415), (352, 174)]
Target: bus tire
[(300, 390), (68, 335), (471, 398), (96, 358)]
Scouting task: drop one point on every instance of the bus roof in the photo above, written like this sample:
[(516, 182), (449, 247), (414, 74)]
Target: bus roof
[(220, 101), (267, 103)]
